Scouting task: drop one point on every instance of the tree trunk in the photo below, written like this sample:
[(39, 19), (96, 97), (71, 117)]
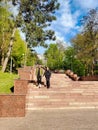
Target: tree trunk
[(2, 53), (9, 51), (2, 59), (92, 69)]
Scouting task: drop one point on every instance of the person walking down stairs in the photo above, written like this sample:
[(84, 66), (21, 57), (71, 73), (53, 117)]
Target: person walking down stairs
[(47, 75), (39, 73)]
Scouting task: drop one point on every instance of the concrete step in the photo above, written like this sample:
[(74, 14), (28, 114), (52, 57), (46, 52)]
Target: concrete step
[(69, 85), (68, 95), (61, 105), (83, 91), (61, 100)]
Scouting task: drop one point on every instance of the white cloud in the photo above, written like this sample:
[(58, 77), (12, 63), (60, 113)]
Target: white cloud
[(66, 19), (87, 4), (59, 37), (67, 24)]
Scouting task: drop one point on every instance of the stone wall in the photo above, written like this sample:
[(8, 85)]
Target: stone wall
[(12, 105), (20, 86), (27, 74), (89, 78)]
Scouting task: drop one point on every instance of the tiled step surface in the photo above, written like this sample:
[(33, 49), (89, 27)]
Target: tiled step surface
[(63, 94)]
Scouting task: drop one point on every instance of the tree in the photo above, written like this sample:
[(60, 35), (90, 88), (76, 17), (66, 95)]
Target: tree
[(19, 50), (61, 45), (80, 45), (86, 43), (9, 51), (72, 62), (90, 30), (34, 17), (54, 57), (7, 33), (21, 55)]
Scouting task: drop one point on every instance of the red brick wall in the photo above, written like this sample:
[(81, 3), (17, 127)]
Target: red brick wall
[(12, 105), (89, 78), (20, 86), (26, 74)]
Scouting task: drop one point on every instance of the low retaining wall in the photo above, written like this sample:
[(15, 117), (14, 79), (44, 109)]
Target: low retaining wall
[(12, 105), (27, 74), (20, 86), (89, 78)]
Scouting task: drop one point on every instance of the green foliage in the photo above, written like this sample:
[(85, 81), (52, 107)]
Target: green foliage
[(78, 67), (31, 58), (6, 25), (6, 82), (34, 17), (86, 43), (21, 54), (19, 49), (54, 57), (72, 62)]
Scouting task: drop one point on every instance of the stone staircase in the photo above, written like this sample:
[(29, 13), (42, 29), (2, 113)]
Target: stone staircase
[(63, 94)]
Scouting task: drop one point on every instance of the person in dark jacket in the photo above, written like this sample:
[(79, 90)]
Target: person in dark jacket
[(47, 75)]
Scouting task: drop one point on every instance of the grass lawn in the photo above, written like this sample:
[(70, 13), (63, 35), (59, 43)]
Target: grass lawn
[(6, 82)]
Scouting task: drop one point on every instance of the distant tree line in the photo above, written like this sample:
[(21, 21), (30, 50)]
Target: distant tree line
[(82, 56)]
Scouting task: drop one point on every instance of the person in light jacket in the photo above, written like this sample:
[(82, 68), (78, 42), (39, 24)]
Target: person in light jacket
[(39, 73)]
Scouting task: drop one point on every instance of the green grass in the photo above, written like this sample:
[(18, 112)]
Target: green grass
[(6, 82)]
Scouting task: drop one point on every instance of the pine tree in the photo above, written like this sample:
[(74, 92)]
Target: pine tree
[(34, 17)]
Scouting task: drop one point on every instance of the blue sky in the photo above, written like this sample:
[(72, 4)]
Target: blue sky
[(68, 16)]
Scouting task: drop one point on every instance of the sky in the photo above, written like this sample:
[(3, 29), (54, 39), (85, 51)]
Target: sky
[(68, 16)]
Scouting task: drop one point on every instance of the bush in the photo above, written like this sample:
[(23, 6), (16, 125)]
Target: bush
[(6, 82)]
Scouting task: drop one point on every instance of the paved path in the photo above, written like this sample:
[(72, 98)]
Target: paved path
[(53, 120)]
